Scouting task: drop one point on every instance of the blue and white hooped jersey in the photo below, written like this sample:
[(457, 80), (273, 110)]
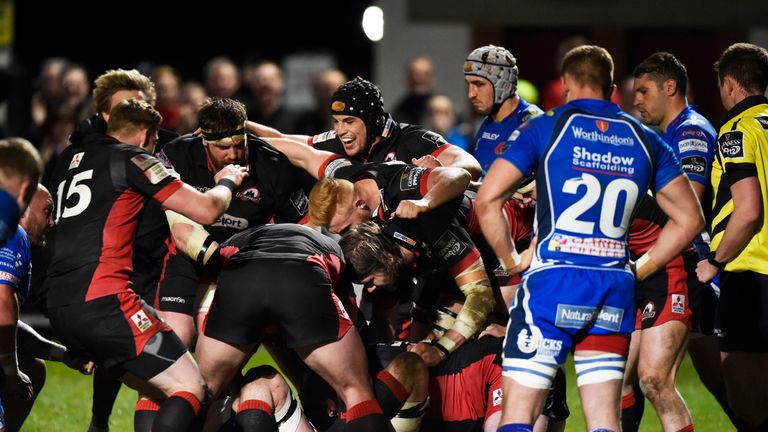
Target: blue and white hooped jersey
[(492, 138), (593, 163), (16, 264), (693, 140)]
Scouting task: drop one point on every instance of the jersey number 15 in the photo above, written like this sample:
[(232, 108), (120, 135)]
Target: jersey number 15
[(76, 187)]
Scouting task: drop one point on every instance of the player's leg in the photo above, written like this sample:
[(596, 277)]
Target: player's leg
[(632, 398), (402, 389)]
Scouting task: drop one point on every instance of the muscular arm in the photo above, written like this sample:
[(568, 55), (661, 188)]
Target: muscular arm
[(498, 185), (9, 317), (445, 184), (454, 156), (698, 189), (686, 220), (205, 208), (300, 154), (264, 131), (745, 219)]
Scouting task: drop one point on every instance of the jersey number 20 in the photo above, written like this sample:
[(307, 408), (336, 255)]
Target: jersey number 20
[(82, 191), (569, 219)]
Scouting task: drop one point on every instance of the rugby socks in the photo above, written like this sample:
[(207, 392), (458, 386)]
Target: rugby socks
[(144, 415), (632, 407), (515, 427), (255, 415), (177, 413), (105, 390), (688, 428), (390, 393), (366, 417)]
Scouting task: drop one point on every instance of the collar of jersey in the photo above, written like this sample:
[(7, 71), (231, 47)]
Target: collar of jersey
[(744, 105), (599, 105)]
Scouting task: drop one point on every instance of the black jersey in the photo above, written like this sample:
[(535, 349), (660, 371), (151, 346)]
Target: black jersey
[(101, 188), (399, 141), (271, 189)]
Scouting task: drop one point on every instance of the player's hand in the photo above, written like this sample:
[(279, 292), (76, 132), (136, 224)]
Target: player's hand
[(83, 366), (474, 186), (432, 356), (411, 209), (426, 161), (496, 330), (706, 271), (233, 172), (18, 386)]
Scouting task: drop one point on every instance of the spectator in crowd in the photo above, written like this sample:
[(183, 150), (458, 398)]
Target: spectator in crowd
[(319, 118), (412, 107)]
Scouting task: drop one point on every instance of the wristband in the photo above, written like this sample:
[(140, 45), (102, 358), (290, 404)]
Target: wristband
[(227, 183), (716, 263), (510, 262), (644, 266), (445, 345)]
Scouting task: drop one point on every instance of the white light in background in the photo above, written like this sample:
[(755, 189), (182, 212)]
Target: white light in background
[(373, 23)]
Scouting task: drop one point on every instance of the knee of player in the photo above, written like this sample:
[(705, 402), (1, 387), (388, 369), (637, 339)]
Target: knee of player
[(265, 383), (411, 371), (653, 383)]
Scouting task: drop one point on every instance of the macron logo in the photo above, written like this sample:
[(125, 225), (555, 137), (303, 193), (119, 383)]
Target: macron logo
[(595, 136)]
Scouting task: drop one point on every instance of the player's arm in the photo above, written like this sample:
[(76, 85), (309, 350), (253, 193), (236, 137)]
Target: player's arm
[(16, 382), (31, 343), (443, 184), (686, 220), (206, 207), (264, 131), (498, 185), (191, 237), (451, 156)]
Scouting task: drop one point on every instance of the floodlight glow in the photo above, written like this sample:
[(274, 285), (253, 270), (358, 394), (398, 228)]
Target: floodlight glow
[(373, 23)]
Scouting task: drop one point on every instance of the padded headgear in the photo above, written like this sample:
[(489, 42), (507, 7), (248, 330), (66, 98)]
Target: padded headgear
[(362, 99), (497, 65)]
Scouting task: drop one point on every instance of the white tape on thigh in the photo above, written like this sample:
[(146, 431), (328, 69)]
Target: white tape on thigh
[(530, 373), (599, 368), (288, 420)]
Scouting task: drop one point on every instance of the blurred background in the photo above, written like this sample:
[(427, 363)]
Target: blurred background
[(279, 51)]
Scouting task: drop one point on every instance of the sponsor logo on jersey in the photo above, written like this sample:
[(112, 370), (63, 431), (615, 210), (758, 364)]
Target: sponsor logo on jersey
[(251, 194), (692, 144), (731, 144), (609, 318), (763, 121), (678, 303), (404, 238), (572, 316), (602, 125), (334, 165), (8, 277), (325, 136), (498, 396), (694, 165), (490, 136), (649, 311), (514, 135), (595, 136), (300, 201), (76, 159), (592, 246), (448, 246), (144, 161), (693, 132), (141, 321), (435, 138), (605, 162), (501, 148), (409, 179), (179, 300), (157, 173), (229, 221)]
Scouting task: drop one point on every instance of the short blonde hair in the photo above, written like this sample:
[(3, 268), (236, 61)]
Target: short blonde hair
[(324, 199)]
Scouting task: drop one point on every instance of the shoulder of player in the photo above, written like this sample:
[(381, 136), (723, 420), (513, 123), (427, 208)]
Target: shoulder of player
[(182, 147)]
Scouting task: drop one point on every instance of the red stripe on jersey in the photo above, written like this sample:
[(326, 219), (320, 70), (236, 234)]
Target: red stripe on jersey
[(321, 171), (330, 263), (309, 141), (304, 220), (226, 253), (463, 395), (168, 190), (170, 243), (113, 273), (441, 149), (144, 325), (423, 182), (465, 262)]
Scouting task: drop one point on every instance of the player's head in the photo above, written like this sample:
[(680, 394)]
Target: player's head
[(114, 86), (135, 122), (358, 115), (742, 71), (20, 170), (588, 66), (376, 258), (526, 192), (333, 204), (38, 218), (659, 79), (222, 122), (491, 75)]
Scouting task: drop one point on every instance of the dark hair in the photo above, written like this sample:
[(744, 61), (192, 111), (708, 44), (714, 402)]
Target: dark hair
[(369, 250), (220, 115), (662, 66), (745, 63), (590, 66)]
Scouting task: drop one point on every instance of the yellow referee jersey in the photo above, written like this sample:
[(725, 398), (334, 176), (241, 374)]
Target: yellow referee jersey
[(742, 151)]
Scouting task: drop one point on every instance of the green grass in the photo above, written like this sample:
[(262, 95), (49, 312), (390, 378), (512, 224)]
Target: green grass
[(65, 403)]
